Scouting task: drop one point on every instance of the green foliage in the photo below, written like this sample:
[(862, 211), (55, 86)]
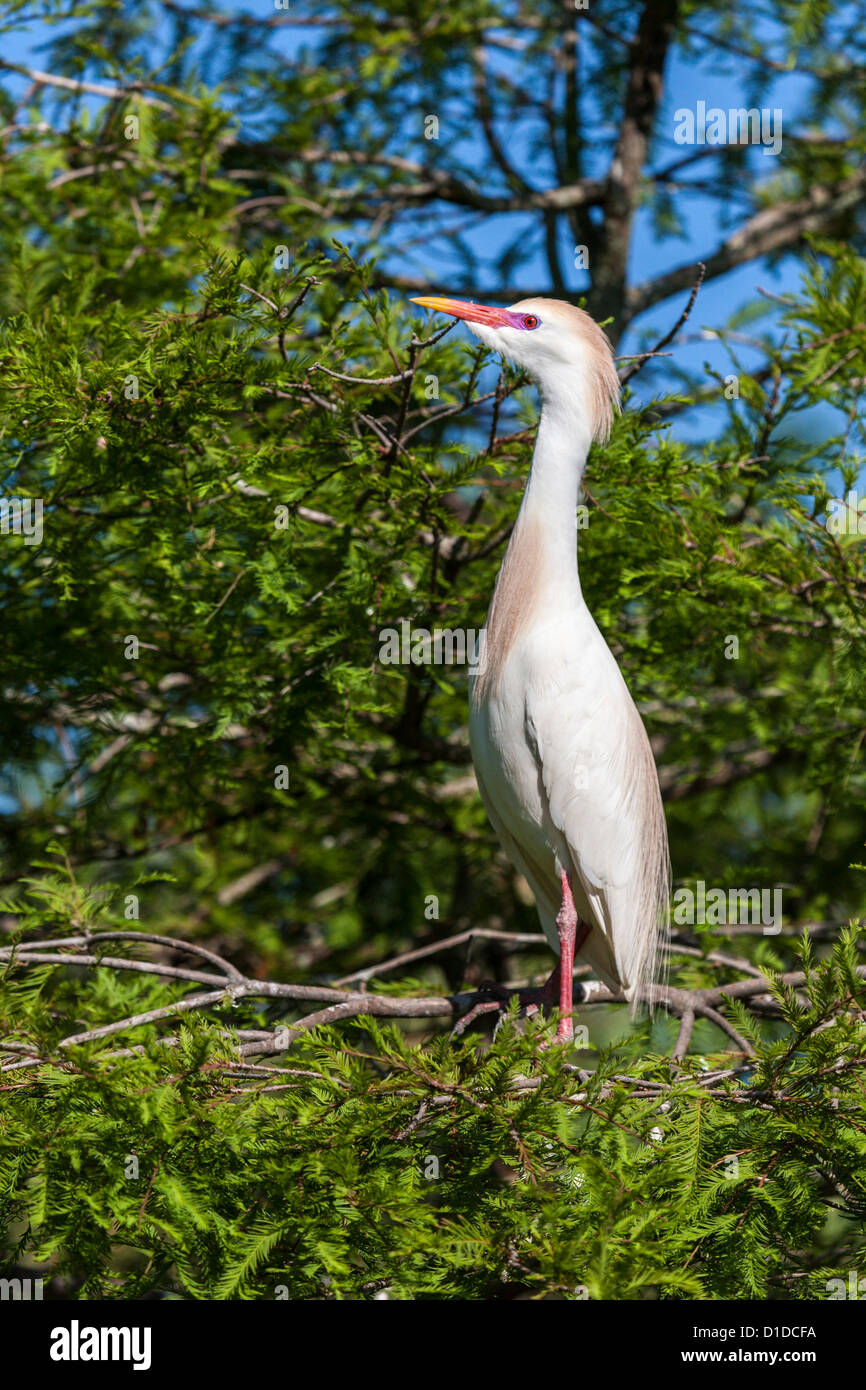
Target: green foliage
[(356, 1163), (363, 1164)]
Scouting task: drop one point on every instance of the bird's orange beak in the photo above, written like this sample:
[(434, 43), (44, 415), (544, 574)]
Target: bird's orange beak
[(463, 309)]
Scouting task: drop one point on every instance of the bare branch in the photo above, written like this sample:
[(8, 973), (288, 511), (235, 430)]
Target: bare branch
[(772, 229), (460, 1009), (99, 89), (668, 337)]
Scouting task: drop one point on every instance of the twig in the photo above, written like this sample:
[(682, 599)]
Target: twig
[(99, 89), (365, 380), (482, 933), (663, 342), (88, 938)]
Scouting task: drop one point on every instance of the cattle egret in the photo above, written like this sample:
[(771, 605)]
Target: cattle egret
[(563, 762)]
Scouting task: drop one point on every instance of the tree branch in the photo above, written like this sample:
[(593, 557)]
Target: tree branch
[(775, 228), (687, 1005)]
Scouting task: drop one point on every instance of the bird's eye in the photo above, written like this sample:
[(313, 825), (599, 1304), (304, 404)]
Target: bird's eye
[(530, 321)]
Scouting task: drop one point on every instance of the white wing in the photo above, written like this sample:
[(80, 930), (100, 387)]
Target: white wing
[(602, 795), (576, 787)]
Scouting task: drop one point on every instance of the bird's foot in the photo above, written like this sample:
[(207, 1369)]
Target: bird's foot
[(556, 992), (493, 998), (484, 1006)]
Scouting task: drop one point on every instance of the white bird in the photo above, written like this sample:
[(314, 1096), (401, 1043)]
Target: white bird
[(562, 759)]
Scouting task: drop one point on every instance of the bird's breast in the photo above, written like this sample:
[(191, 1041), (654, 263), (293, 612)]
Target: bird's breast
[(557, 699)]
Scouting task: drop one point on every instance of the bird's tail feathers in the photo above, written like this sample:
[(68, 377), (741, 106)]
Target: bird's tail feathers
[(648, 967)]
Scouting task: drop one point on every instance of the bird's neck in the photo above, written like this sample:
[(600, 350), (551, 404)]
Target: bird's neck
[(538, 578), (550, 498)]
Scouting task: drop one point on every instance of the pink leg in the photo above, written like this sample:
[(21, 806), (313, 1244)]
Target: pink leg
[(558, 989), (572, 935)]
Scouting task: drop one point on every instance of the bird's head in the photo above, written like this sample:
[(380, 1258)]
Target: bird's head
[(560, 347)]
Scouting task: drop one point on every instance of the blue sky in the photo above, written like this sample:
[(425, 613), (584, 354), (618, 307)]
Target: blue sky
[(720, 82)]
